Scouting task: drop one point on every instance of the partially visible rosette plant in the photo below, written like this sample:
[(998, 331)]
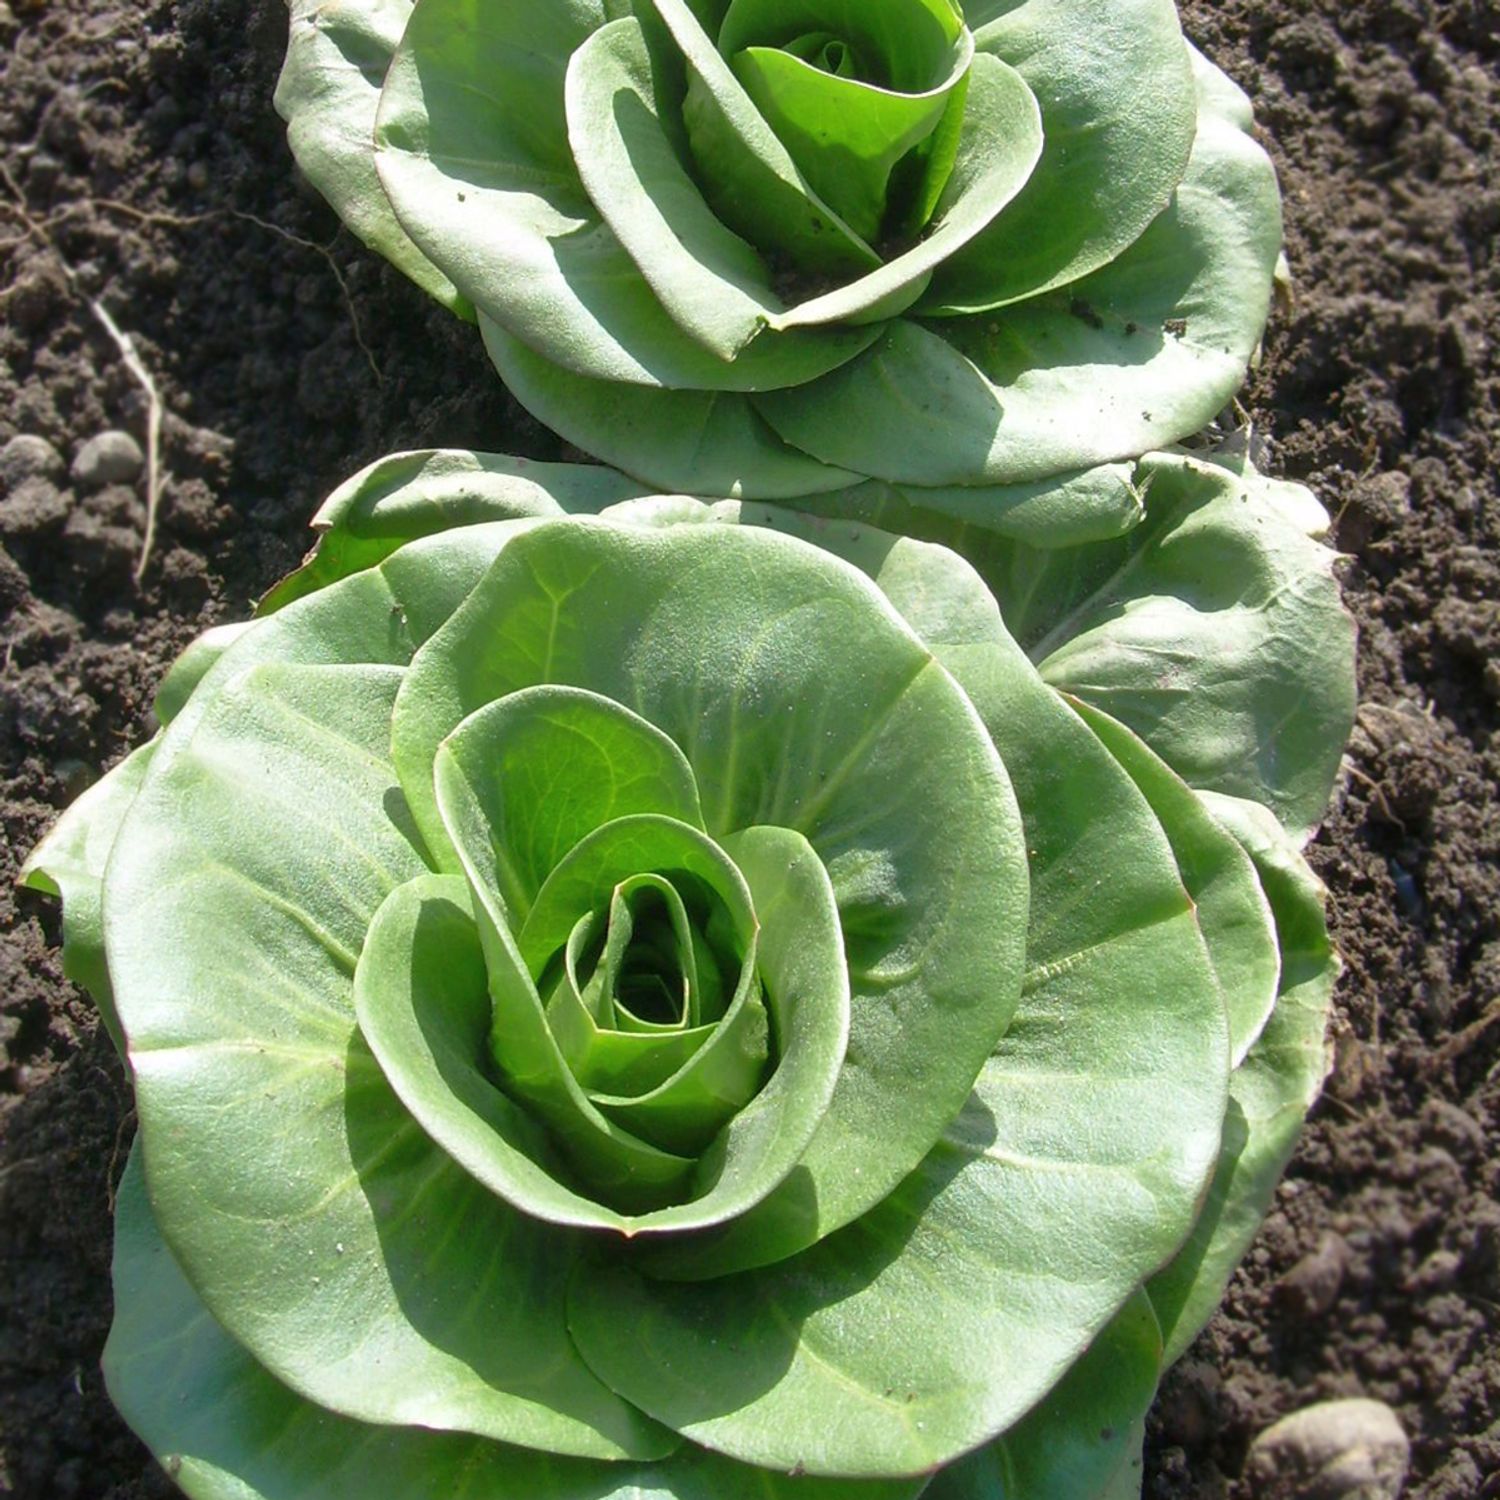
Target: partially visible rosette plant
[(764, 248), (675, 1003)]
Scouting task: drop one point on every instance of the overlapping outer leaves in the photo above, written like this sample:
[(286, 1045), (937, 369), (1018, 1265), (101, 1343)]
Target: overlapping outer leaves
[(677, 1003), (761, 248)]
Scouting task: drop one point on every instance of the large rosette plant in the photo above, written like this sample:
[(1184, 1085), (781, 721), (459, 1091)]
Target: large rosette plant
[(678, 1003), (764, 248)]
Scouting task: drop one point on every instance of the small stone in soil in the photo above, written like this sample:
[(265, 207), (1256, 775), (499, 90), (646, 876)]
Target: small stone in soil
[(108, 458), (1311, 1287), (1337, 1450), (34, 506), (28, 457)]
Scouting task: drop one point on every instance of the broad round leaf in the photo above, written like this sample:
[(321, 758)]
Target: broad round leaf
[(225, 1429)]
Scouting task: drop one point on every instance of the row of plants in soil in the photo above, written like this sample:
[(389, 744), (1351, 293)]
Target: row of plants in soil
[(777, 963)]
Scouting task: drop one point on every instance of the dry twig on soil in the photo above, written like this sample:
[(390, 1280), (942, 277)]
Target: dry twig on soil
[(129, 357)]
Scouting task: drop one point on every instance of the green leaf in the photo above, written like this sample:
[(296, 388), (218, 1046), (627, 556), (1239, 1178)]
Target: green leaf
[(609, 1049), (1143, 352), (407, 495), (328, 93), (467, 156), (612, 852), (1269, 1094), (751, 181), (633, 1172), (993, 154), (424, 1009), (70, 863), (1118, 116), (1232, 909), (1214, 631), (1072, 1445), (938, 1318), (902, 44), (528, 776), (976, 521), (249, 869), (543, 612), (801, 701), (848, 134), (705, 440), (686, 1111), (225, 1429)]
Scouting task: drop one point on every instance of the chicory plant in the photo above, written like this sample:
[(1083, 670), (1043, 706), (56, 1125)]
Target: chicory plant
[(765, 248), (634, 998)]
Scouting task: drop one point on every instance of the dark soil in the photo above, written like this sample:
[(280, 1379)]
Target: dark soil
[(141, 142)]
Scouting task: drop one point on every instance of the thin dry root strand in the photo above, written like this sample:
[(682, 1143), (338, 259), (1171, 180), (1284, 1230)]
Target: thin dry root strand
[(188, 221), (38, 229), (129, 357), (133, 362)]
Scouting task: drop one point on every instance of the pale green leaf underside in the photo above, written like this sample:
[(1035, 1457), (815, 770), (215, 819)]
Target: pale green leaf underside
[(328, 93), (1214, 630), (696, 441), (1064, 510), (1232, 909), (225, 1429), (1269, 1094), (1213, 627), (404, 496)]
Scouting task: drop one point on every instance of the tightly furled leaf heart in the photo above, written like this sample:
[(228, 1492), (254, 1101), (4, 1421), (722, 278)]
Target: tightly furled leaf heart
[(764, 248), (672, 1003)]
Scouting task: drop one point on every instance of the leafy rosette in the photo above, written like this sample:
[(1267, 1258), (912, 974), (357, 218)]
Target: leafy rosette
[(762, 248), (678, 1003)]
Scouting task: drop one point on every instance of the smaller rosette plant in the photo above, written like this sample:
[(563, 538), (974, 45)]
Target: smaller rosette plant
[(764, 248), (676, 1002)]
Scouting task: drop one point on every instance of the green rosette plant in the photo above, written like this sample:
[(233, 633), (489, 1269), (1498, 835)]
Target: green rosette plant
[(677, 1002), (763, 248)]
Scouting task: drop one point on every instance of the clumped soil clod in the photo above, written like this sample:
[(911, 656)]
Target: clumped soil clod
[(141, 152)]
